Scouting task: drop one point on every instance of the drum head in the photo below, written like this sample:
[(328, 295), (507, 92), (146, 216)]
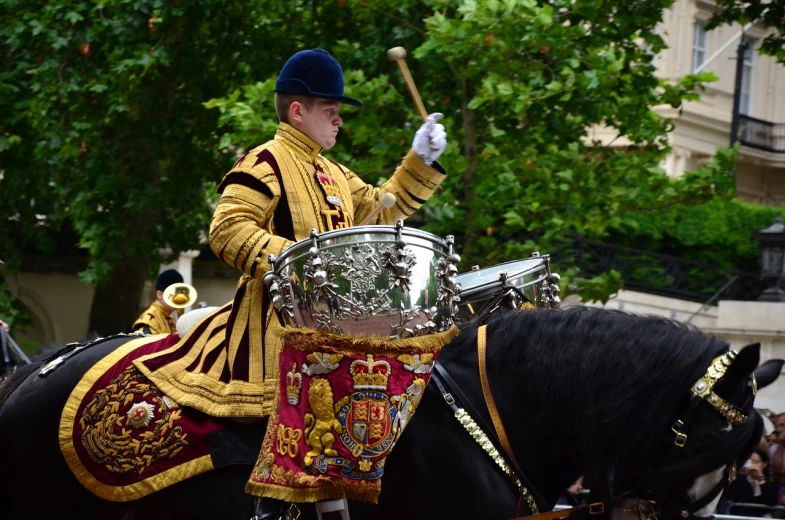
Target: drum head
[(475, 282)]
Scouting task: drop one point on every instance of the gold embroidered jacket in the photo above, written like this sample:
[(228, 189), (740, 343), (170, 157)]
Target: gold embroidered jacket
[(272, 197), (157, 319)]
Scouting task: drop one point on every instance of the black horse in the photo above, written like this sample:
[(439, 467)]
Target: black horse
[(578, 390)]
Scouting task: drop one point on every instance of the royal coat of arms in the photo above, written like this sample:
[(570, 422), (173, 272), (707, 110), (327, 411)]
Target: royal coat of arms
[(367, 416), (335, 439)]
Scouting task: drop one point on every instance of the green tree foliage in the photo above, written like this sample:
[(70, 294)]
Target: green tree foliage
[(720, 233), (522, 85), (771, 14), (104, 127), (107, 125)]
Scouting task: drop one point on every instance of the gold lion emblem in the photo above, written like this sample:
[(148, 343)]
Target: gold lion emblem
[(318, 425)]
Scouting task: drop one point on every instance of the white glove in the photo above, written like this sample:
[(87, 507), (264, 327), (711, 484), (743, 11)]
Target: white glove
[(430, 139)]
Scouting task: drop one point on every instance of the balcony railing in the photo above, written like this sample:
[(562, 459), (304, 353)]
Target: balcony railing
[(656, 273), (763, 135)]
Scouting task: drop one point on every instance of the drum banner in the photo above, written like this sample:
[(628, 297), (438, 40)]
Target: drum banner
[(123, 438), (342, 404)]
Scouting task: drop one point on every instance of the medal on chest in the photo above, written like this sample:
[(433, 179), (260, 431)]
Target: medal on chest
[(329, 185), (335, 216)]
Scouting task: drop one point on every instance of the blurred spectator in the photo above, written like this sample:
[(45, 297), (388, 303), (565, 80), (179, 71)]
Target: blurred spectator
[(576, 486), (777, 452), (764, 443), (752, 486), (5, 325), (574, 490)]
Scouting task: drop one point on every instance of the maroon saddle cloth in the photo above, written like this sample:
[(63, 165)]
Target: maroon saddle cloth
[(123, 438)]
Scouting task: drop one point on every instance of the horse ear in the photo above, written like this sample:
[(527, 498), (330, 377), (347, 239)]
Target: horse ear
[(768, 372), (746, 361)]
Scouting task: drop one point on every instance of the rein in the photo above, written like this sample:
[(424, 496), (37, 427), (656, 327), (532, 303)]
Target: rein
[(498, 446), (486, 392), (459, 404)]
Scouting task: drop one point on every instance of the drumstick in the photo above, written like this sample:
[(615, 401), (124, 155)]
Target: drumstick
[(387, 201), (398, 55)]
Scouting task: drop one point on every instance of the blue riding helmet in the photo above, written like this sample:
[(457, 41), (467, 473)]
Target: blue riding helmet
[(314, 73)]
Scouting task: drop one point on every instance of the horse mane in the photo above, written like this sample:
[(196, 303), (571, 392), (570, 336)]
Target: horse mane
[(611, 381), (14, 379)]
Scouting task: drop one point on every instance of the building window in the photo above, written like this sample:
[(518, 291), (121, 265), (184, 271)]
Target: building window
[(745, 99), (699, 45)]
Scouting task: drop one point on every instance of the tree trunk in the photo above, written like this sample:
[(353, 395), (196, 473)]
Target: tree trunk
[(470, 152), (116, 303)]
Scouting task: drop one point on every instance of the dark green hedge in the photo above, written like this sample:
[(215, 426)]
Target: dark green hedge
[(720, 233)]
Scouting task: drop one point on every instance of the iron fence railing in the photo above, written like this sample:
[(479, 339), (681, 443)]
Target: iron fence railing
[(657, 273), (760, 134)]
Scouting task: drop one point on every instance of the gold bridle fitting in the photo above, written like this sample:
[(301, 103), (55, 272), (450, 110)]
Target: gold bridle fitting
[(704, 388)]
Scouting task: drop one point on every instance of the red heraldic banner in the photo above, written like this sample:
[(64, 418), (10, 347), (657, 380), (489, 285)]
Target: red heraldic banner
[(343, 402)]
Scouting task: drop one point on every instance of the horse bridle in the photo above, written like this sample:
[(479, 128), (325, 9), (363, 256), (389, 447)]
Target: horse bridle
[(656, 482), (741, 432)]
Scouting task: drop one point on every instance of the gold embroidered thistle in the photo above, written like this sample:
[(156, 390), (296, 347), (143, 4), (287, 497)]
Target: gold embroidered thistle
[(704, 388)]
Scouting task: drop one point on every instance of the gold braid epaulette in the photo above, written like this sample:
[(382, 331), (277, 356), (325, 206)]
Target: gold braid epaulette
[(485, 443)]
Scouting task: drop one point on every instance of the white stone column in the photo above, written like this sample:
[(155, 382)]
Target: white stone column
[(675, 163)]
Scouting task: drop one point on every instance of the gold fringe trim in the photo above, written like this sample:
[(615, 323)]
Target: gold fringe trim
[(310, 495), (257, 402), (207, 394), (82, 474), (306, 339)]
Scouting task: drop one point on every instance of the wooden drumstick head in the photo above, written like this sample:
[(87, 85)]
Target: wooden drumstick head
[(387, 201), (398, 55)]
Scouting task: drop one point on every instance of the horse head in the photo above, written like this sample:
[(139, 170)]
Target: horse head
[(657, 414), (716, 430)]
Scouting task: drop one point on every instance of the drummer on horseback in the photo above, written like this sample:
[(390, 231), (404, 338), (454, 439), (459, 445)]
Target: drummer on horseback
[(272, 197)]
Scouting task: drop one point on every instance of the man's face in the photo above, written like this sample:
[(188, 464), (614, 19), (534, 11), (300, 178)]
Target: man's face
[(321, 123), (160, 297), (779, 427)]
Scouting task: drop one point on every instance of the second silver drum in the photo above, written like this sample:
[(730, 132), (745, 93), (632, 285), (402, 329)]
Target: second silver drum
[(508, 285)]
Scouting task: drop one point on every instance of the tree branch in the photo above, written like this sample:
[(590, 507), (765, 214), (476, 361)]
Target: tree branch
[(406, 22), (472, 162)]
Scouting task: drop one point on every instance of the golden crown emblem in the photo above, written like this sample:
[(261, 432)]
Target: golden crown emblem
[(294, 382), (368, 374)]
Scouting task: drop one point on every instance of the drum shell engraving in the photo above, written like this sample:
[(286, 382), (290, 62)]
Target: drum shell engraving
[(383, 281)]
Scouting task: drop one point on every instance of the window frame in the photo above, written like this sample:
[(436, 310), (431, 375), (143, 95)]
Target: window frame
[(699, 48), (747, 87)]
